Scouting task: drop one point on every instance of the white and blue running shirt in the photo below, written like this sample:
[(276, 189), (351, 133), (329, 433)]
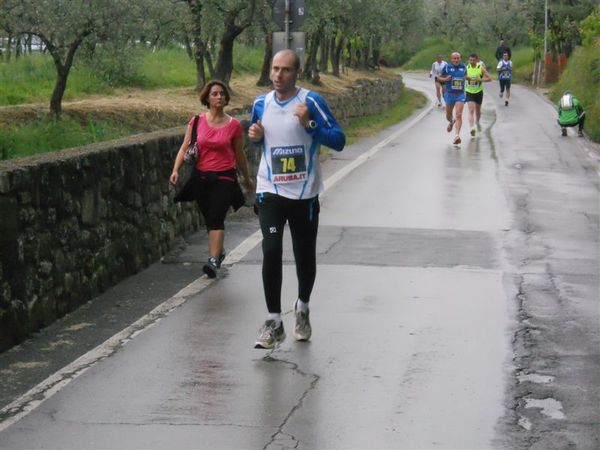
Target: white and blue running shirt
[(290, 165), (506, 74), (437, 67)]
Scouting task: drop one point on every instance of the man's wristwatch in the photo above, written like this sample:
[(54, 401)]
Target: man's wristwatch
[(312, 125)]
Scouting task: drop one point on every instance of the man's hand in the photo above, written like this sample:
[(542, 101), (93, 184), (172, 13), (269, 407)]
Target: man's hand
[(303, 114), (256, 132)]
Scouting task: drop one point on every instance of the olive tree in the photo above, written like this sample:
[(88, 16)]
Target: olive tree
[(63, 26)]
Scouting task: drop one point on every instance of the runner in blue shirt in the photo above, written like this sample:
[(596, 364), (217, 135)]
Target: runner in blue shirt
[(504, 70), (454, 76)]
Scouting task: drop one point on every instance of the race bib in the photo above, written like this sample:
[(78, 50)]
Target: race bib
[(473, 84), (458, 84), (288, 164)]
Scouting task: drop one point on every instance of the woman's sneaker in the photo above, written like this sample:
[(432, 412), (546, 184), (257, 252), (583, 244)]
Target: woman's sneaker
[(270, 335), (302, 330), (211, 268)]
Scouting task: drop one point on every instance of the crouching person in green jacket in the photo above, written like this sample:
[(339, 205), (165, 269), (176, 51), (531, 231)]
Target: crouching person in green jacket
[(570, 113)]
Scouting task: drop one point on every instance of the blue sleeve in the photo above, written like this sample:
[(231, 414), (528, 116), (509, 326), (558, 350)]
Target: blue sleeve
[(258, 108), (328, 131), (444, 71)]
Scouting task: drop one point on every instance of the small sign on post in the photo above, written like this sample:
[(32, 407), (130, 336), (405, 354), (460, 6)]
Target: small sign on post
[(289, 16), (297, 14), (296, 42)]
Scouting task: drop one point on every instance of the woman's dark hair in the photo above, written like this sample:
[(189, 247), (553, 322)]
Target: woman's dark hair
[(205, 92)]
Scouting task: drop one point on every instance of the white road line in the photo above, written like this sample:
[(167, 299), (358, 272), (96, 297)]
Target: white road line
[(29, 401)]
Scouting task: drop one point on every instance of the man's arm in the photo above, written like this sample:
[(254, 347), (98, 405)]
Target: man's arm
[(328, 132)]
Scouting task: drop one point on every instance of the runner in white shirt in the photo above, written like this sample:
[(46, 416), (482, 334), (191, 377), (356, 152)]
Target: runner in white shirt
[(436, 69), (290, 124)]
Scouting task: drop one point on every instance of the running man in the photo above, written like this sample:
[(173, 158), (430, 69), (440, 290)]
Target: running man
[(504, 70), (453, 75), (290, 124), (436, 70), (476, 75)]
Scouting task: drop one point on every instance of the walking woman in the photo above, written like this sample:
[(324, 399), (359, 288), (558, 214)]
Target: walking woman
[(213, 183)]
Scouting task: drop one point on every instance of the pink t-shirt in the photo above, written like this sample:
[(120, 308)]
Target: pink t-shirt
[(215, 145)]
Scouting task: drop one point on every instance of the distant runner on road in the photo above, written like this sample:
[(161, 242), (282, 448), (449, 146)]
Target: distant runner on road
[(501, 49), (476, 75), (436, 70), (453, 75), (504, 69), (570, 113), (290, 124)]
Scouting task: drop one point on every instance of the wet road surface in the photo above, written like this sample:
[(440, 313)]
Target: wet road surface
[(456, 306)]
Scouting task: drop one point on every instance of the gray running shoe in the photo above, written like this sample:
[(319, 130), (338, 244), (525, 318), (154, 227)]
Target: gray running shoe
[(211, 267), (302, 330), (270, 335), (221, 258)]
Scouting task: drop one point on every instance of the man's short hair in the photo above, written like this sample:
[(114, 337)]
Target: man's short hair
[(474, 55), (293, 53)]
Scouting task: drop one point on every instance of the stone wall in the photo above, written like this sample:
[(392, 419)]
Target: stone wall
[(75, 222)]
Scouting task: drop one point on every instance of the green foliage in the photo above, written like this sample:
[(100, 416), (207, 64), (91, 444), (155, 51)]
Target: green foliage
[(248, 59), (369, 125), (49, 134), (582, 77), (116, 65), (168, 67), (590, 29), (31, 79)]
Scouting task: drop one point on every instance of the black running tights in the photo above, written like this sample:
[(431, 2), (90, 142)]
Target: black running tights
[(303, 219)]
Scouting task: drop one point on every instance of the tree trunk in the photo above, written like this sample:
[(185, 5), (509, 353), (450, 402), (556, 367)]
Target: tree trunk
[(364, 57), (225, 61), (18, 47), (9, 47), (323, 56), (265, 72), (199, 46), (224, 67), (188, 46), (209, 60), (311, 69), (336, 56), (199, 60), (62, 75), (62, 70)]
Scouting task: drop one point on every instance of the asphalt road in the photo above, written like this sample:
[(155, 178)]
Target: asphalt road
[(456, 306)]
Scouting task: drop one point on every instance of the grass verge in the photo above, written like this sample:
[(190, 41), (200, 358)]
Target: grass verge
[(582, 77), (47, 135), (31, 78), (369, 125)]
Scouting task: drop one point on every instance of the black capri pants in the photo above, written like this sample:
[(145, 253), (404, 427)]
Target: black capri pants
[(303, 219), (216, 191)]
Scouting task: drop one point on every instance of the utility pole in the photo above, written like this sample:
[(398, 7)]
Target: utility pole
[(545, 27)]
